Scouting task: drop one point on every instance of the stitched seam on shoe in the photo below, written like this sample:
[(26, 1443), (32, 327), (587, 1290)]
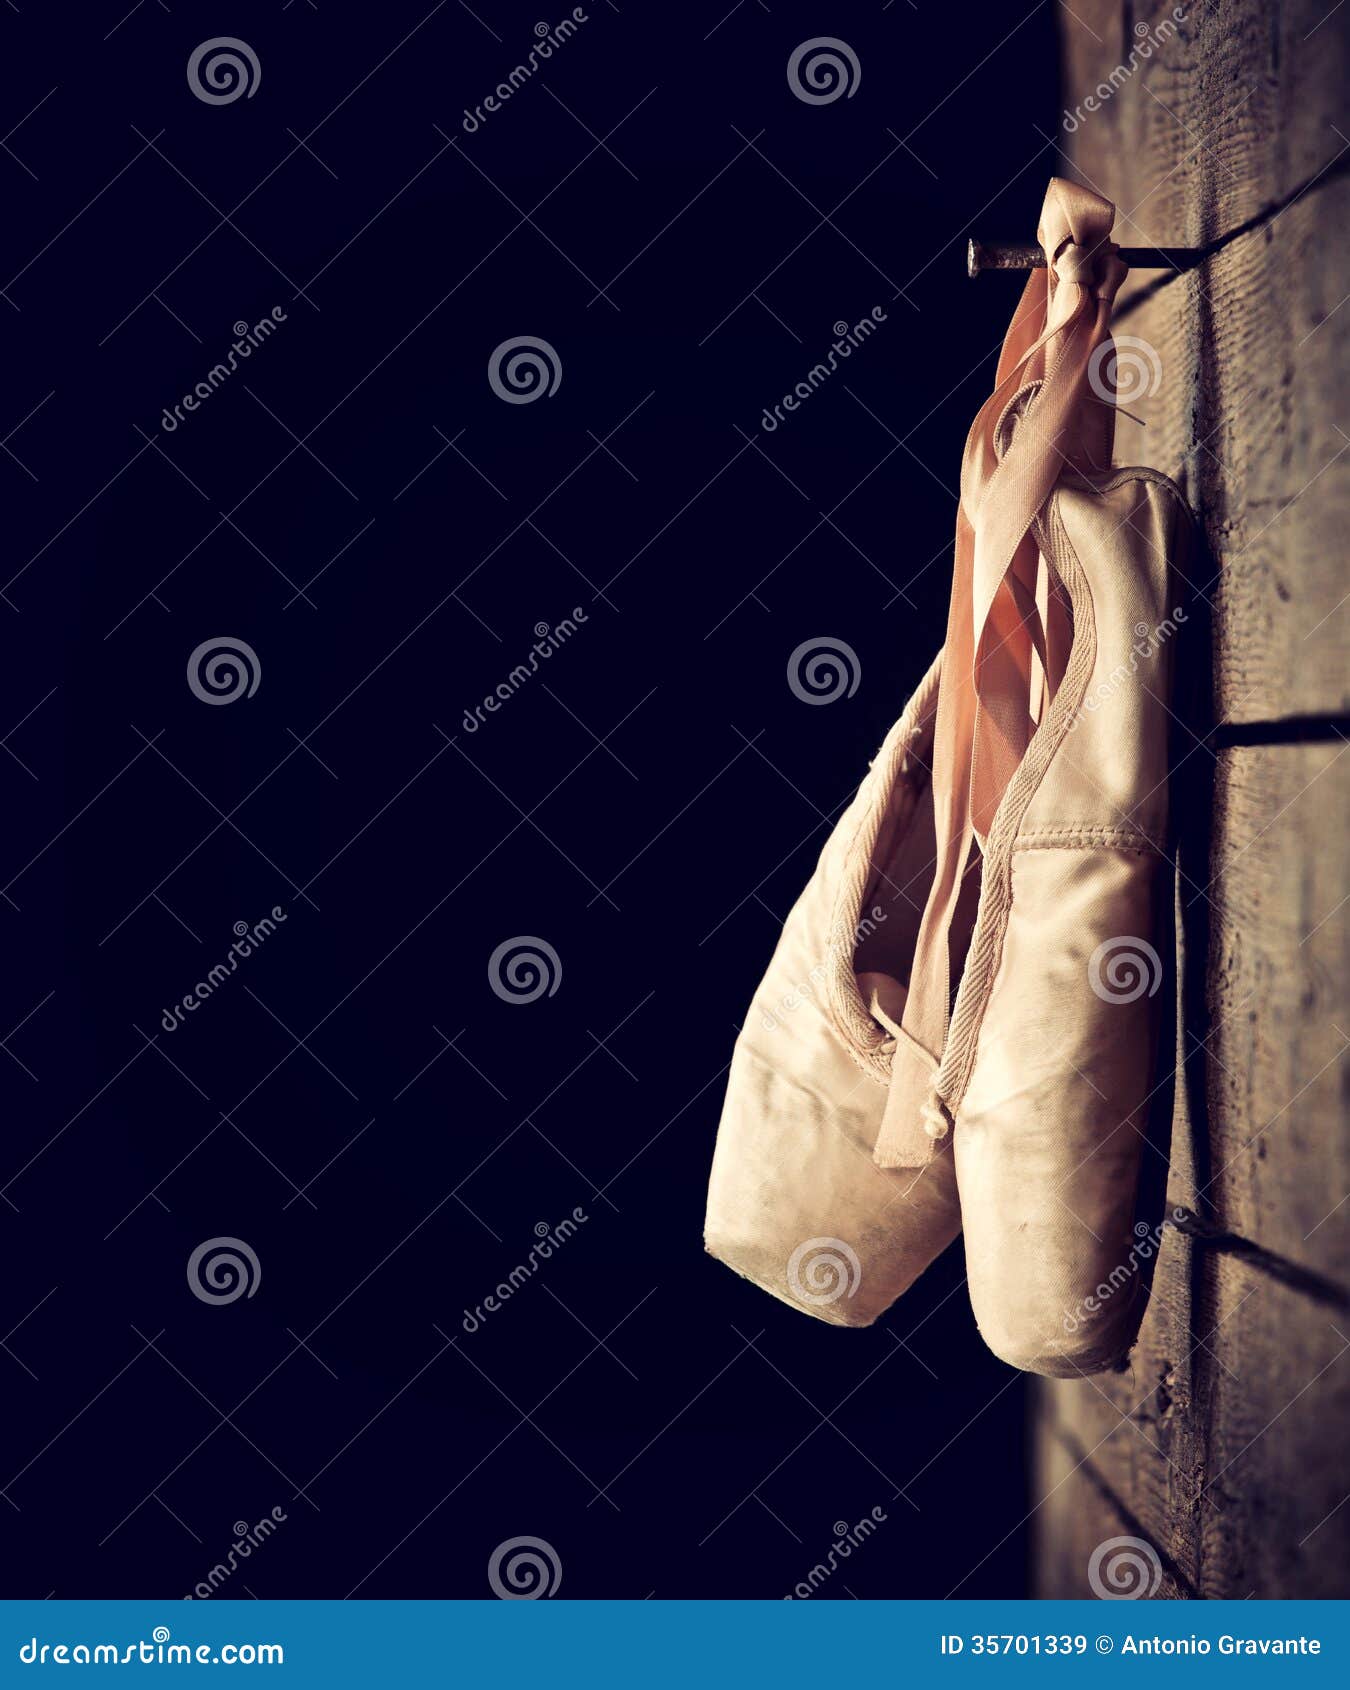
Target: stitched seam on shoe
[(1113, 479), (1106, 838)]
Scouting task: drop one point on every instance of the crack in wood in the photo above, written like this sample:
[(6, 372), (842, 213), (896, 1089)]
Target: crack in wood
[(1332, 171), (1292, 1274), (1285, 730)]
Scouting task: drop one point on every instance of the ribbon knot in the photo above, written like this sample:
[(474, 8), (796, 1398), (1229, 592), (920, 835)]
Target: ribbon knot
[(1092, 267), (1076, 263)]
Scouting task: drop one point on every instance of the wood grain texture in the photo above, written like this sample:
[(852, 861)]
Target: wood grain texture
[(1222, 1444), (1233, 136)]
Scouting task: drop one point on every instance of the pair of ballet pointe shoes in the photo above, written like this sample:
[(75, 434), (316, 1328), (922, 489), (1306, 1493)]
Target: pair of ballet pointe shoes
[(960, 1028)]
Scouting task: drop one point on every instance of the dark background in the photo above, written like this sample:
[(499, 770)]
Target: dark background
[(650, 804)]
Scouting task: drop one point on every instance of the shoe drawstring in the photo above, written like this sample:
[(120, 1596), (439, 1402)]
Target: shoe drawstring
[(937, 1123)]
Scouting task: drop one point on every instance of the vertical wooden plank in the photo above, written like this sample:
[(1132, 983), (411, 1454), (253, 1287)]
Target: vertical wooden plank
[(1232, 137), (1216, 1441)]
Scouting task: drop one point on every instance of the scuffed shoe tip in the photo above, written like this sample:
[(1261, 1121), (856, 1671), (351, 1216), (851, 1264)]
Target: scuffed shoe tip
[(1064, 1353), (835, 1308)]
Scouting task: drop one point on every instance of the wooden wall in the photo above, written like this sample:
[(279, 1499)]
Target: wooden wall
[(1224, 1443)]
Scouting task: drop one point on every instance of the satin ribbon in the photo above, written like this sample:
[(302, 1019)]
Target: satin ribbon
[(1008, 634)]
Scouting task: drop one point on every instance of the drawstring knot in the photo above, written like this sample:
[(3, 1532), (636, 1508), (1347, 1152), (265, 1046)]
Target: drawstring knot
[(933, 1112)]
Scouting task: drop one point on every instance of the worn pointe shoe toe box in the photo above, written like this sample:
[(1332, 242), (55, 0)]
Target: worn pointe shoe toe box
[(796, 1202)]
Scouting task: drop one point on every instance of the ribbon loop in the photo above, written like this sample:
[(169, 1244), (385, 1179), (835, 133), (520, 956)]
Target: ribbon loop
[(1005, 647)]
